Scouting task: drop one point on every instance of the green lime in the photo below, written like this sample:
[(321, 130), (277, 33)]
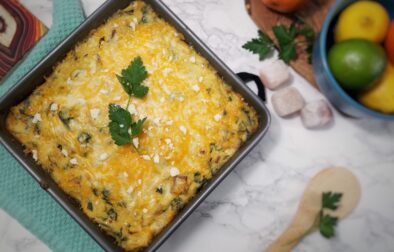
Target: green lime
[(357, 63)]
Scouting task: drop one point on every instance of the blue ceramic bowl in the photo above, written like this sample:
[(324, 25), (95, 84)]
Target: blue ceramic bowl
[(325, 79)]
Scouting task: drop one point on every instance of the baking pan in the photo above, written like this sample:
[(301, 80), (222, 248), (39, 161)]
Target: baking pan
[(36, 77)]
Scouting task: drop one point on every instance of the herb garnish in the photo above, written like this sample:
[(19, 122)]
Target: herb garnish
[(132, 77), (323, 221), (327, 222), (121, 124), (287, 38), (262, 45)]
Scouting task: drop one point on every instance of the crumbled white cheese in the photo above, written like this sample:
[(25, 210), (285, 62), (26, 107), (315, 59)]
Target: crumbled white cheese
[(74, 161), (35, 155), (168, 141), (193, 59), (132, 108), (65, 152), (170, 58), (133, 23), (181, 99), (136, 142), (104, 91), (195, 88), (144, 210), (156, 120), (37, 118), (54, 107), (117, 98), (162, 99), (69, 81), (182, 129), (169, 123), (139, 194), (174, 171), (94, 113), (81, 101), (156, 159), (217, 117), (130, 189), (103, 156), (125, 174), (161, 81), (146, 157), (139, 181), (121, 125), (200, 79)]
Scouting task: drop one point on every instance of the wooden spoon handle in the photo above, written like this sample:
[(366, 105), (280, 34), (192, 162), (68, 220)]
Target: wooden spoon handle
[(293, 234)]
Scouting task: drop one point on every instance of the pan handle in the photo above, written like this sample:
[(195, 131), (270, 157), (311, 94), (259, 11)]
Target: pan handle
[(247, 77)]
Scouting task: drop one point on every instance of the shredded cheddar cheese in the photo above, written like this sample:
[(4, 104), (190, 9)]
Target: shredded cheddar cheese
[(195, 123)]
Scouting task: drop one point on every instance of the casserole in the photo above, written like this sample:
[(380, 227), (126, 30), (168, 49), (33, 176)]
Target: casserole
[(57, 56)]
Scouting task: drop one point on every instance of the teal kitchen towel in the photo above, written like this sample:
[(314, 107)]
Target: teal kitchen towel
[(20, 195)]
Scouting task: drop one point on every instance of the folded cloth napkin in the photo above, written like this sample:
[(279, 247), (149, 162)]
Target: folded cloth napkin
[(20, 195)]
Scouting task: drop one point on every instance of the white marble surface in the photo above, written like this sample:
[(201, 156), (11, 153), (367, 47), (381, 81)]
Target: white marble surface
[(256, 202)]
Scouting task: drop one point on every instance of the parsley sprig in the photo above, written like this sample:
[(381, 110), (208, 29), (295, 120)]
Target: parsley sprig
[(287, 38), (121, 126), (327, 222), (323, 221)]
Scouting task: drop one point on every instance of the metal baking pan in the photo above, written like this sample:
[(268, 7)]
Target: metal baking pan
[(36, 77)]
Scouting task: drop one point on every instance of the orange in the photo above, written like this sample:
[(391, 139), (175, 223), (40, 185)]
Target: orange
[(285, 6), (389, 44)]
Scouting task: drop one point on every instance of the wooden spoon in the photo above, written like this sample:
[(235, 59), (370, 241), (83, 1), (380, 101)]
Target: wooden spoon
[(335, 179)]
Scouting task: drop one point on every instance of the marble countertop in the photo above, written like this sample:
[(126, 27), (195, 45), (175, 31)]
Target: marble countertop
[(257, 201)]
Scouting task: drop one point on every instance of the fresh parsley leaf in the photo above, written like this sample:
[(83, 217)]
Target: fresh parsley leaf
[(288, 52), (308, 33), (120, 121), (283, 35), (331, 200), (136, 127), (132, 77), (263, 45), (327, 224), (293, 29)]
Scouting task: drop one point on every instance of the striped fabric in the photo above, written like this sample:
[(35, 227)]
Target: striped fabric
[(19, 31)]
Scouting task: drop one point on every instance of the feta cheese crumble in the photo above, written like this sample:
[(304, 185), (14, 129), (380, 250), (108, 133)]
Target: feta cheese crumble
[(174, 171), (36, 118), (94, 113)]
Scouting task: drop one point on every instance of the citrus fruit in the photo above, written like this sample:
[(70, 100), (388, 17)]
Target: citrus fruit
[(357, 63), (363, 19), (285, 6), (389, 44), (381, 96)]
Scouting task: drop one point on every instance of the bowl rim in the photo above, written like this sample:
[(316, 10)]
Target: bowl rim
[(333, 12)]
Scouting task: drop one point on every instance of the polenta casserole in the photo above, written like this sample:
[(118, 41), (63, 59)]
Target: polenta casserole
[(194, 122)]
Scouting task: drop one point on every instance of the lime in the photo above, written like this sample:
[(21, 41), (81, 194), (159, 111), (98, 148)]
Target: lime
[(357, 63)]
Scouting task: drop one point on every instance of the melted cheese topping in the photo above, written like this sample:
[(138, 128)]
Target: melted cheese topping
[(195, 124)]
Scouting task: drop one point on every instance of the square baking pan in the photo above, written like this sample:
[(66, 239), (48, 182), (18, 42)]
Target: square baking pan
[(36, 77)]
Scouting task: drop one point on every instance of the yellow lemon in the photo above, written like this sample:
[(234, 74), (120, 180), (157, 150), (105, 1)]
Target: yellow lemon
[(381, 96), (363, 19)]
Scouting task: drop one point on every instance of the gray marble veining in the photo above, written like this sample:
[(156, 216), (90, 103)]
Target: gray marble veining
[(256, 202)]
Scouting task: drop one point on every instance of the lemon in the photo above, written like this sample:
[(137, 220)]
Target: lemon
[(363, 19), (381, 96)]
